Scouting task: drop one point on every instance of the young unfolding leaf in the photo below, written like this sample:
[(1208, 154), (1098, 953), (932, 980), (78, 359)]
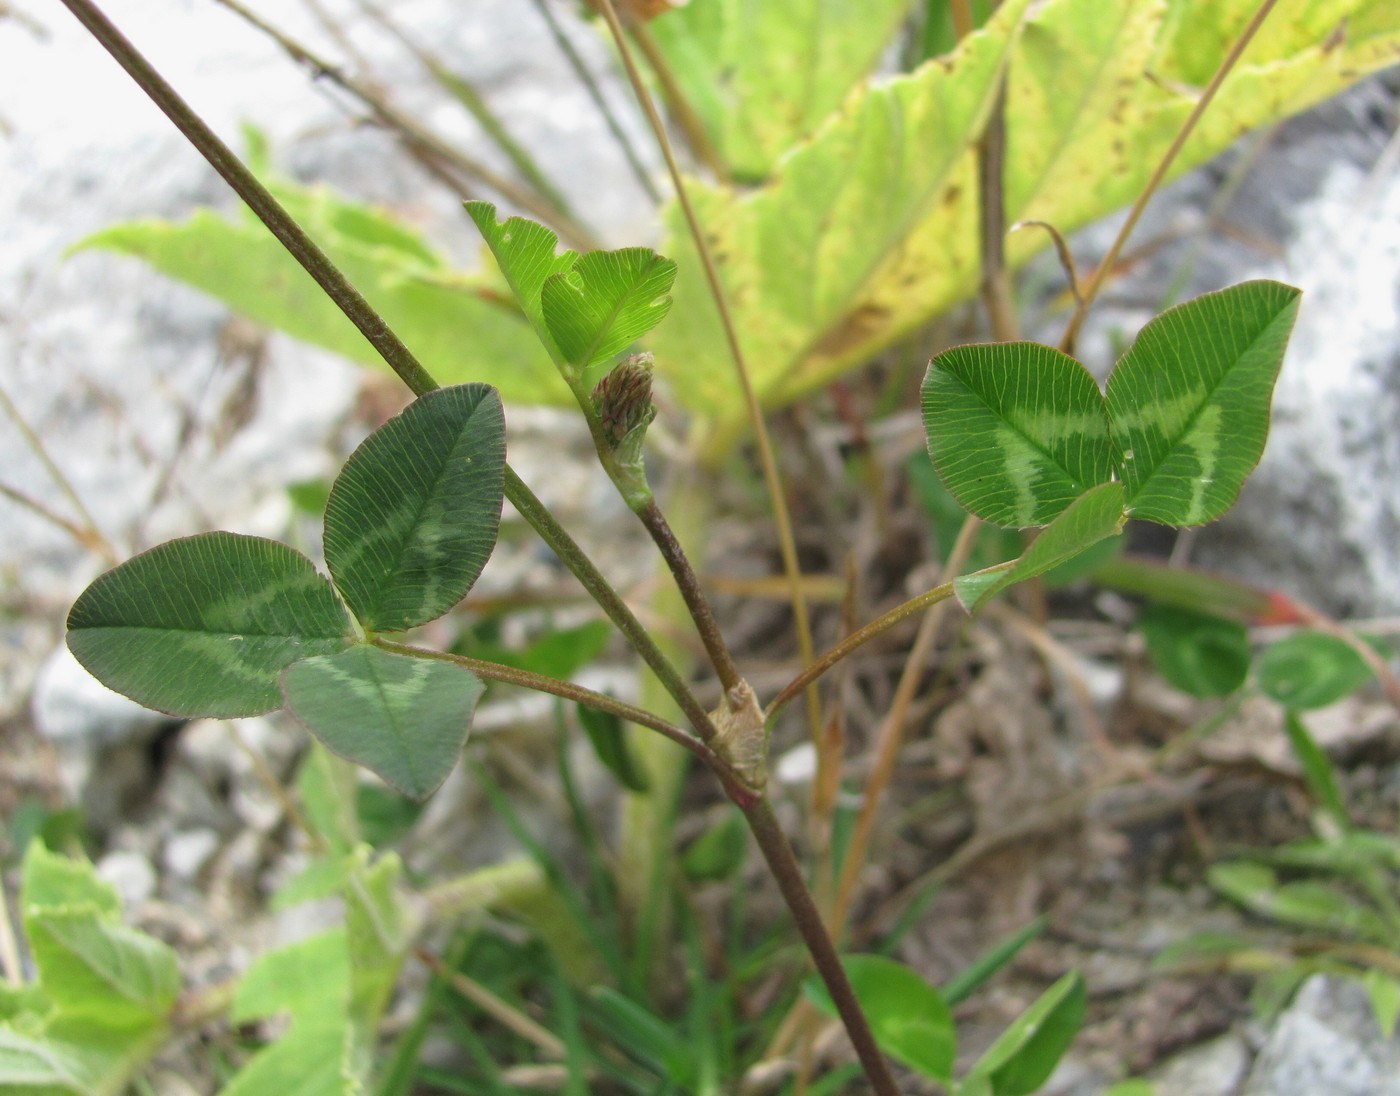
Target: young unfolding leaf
[(1016, 430), (1096, 514), (403, 718), (908, 1017), (204, 626), (609, 740), (606, 302), (525, 252), (1189, 402), (413, 515)]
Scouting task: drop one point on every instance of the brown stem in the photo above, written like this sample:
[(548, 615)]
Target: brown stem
[(1102, 271), (689, 584), (781, 518), (996, 279), (783, 864)]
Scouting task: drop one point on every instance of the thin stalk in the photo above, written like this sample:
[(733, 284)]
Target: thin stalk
[(541, 683), (502, 1011), (1101, 272), (783, 864), (1062, 250), (87, 534), (891, 735), (771, 476), (465, 92), (87, 537), (424, 141), (277, 789), (595, 93), (399, 358), (547, 526), (856, 640), (689, 584), (696, 136)]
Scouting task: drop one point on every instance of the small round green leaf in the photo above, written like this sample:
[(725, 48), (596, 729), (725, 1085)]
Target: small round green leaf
[(205, 625), (908, 1017), (1016, 431), (1199, 654), (1310, 670), (403, 718), (414, 514), (1189, 402)]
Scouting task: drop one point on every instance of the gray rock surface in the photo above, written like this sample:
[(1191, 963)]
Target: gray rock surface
[(1326, 1043)]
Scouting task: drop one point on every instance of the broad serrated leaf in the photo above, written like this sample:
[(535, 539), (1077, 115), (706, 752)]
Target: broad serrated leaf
[(453, 319), (525, 253), (908, 1017), (1311, 670), (761, 76), (310, 977), (802, 254), (414, 514), (606, 302), (1026, 1053), (1016, 431), (1200, 654), (1096, 514), (205, 625), (309, 1060), (52, 880), (403, 718), (380, 927), (1188, 404), (74, 1059), (95, 970)]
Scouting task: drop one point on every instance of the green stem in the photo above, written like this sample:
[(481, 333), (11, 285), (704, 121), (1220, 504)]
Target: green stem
[(783, 864), (542, 683)]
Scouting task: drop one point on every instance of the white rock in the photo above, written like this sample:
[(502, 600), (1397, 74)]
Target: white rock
[(130, 873), (186, 852), (71, 707)]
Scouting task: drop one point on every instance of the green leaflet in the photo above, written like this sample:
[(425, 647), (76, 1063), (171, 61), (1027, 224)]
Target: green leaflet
[(413, 515), (1017, 431), (1096, 514), (608, 300), (401, 717), (1026, 1053), (908, 1017), (1189, 401), (763, 76), (205, 625), (524, 251)]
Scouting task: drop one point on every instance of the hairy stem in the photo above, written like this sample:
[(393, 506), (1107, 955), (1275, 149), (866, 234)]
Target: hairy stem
[(541, 683), (1101, 272)]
